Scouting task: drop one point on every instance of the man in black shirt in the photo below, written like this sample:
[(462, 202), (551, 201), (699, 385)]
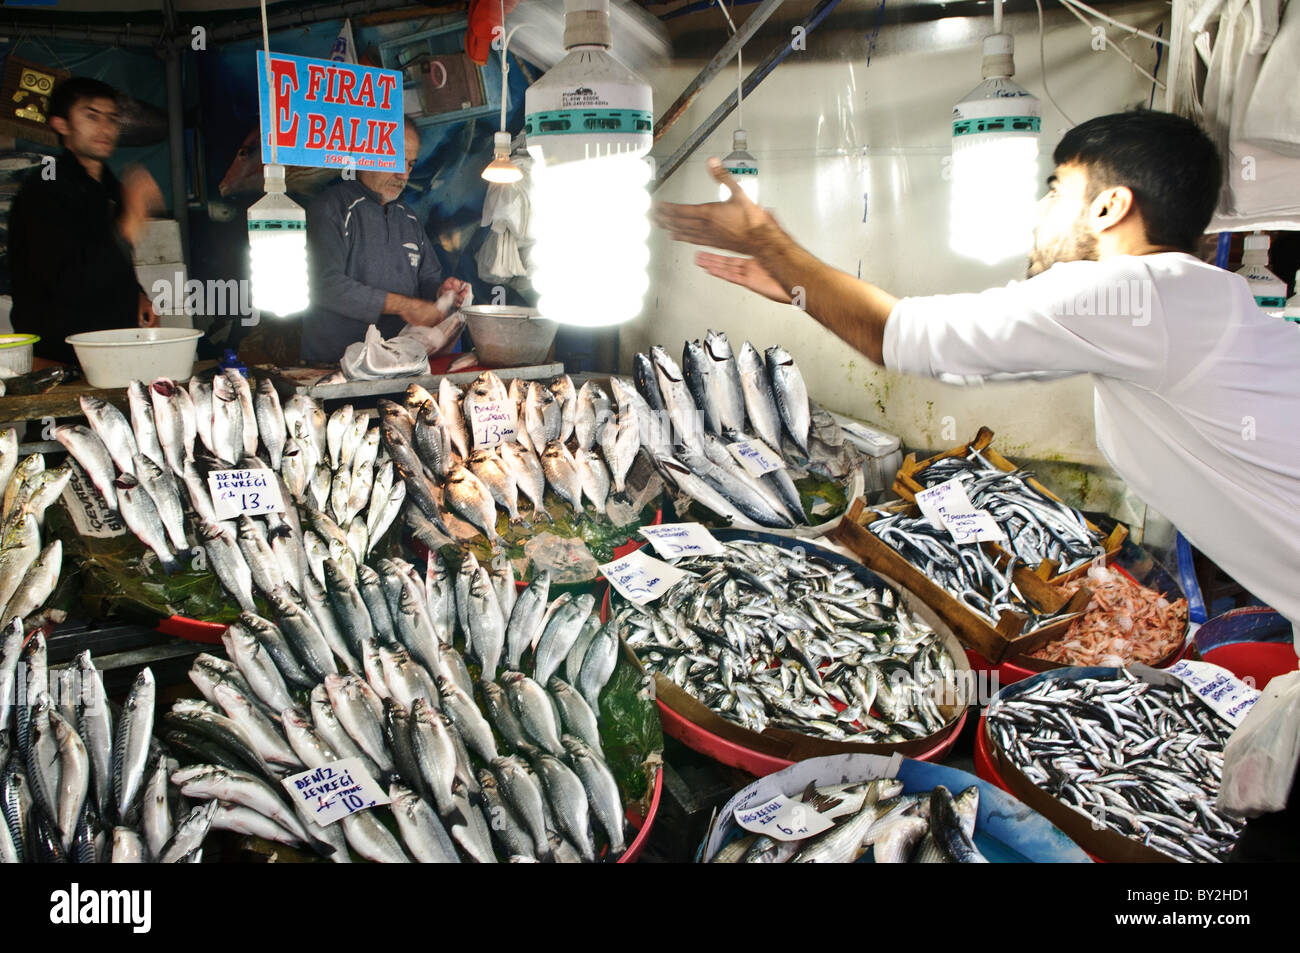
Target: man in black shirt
[(73, 225)]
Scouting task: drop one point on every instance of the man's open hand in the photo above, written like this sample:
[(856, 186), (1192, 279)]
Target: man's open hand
[(734, 225), (745, 272)]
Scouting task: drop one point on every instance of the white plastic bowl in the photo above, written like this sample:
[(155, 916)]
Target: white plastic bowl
[(117, 357), (16, 352)]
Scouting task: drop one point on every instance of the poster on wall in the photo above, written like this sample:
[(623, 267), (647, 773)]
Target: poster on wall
[(331, 114)]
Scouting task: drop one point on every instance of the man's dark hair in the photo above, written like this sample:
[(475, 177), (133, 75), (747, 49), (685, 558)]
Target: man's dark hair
[(77, 89), (1167, 162)]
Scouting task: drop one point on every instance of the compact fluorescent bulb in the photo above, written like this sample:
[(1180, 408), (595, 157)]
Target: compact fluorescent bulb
[(277, 248)]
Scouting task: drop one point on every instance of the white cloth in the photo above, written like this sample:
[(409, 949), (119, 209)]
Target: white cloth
[(1196, 391), (405, 355)]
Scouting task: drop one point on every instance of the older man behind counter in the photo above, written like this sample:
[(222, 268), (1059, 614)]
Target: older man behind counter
[(371, 263)]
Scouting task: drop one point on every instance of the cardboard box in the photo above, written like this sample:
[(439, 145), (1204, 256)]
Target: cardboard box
[(907, 486)]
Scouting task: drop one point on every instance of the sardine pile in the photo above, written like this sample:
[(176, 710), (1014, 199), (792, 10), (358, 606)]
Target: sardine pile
[(716, 399), (1037, 526), (767, 636), (507, 765), (81, 784), (29, 571), (929, 828), (1144, 760), (570, 441)]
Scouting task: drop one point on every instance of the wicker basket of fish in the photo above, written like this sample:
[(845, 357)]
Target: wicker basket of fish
[(1053, 539), (882, 810), (773, 652), (995, 608), (1127, 764), (738, 439)]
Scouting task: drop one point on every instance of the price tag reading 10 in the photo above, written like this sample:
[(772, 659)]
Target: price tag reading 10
[(244, 492)]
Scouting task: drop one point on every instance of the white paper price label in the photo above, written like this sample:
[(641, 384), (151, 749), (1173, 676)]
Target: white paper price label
[(492, 422), (947, 505), (782, 818), (1230, 698), (672, 540), (756, 456), (332, 792), (246, 492), (640, 578)]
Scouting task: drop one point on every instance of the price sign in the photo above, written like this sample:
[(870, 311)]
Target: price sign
[(672, 540), (756, 456), (782, 818), (1217, 687), (640, 578), (947, 505), (492, 422), (246, 492), (332, 792)]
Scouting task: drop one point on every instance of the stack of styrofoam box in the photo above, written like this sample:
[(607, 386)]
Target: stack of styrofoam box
[(158, 257)]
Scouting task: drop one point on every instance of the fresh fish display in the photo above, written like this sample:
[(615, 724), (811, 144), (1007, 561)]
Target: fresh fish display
[(1145, 761), (1037, 527), (791, 395), (766, 636)]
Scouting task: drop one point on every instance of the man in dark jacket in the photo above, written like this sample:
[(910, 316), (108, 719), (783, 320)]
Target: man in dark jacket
[(371, 263), (73, 225)]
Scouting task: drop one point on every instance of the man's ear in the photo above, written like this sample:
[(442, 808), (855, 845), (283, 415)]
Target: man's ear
[(60, 125), (1110, 207)]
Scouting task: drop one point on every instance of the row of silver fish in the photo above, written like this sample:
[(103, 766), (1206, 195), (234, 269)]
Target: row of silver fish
[(769, 636), (933, 827), (81, 784), (504, 764), (1143, 760), (29, 567), (1037, 527)]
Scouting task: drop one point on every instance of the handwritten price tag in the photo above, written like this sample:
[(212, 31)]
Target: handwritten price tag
[(333, 792), (640, 578), (947, 505), (250, 492), (671, 540), (1217, 687), (492, 422), (782, 818), (756, 456)]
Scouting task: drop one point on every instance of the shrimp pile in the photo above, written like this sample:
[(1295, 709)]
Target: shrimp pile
[(1124, 622)]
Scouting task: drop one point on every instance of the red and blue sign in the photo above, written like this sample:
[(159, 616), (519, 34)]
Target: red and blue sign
[(332, 114)]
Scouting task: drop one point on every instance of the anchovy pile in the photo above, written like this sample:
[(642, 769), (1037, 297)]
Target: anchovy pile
[(716, 399), (1037, 526), (770, 636), (29, 571), (1144, 760), (929, 828), (80, 784), (566, 440), (505, 765)]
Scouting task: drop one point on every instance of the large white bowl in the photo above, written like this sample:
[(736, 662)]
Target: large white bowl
[(117, 357)]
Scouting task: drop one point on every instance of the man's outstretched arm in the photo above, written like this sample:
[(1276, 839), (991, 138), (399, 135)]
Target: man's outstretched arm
[(854, 310)]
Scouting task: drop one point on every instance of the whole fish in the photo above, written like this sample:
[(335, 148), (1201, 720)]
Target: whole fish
[(496, 706), (128, 847), (45, 489), (400, 415), (94, 724), (187, 838), (619, 442), (421, 831), (536, 712), (568, 798), (715, 449), (573, 661), (432, 441), (244, 394), (270, 421), (353, 437), (367, 451), (305, 419), (461, 708), (143, 425), (470, 830), (131, 746), (349, 607), (450, 400), (243, 820), (791, 395), (258, 666), (601, 788), (156, 816), (162, 488), (526, 471), (74, 776), (197, 487), (576, 716), (141, 515), (336, 430), (594, 478), (488, 466), (741, 494), (188, 418), (567, 399), (19, 487), (562, 474), (326, 722), (227, 421), (308, 640), (680, 476), (266, 733), (760, 402), (559, 635), (435, 753), (844, 842), (200, 392), (647, 384), (89, 451), (307, 744), (726, 392), (696, 371), (507, 830), (679, 406), (319, 486), (37, 585), (594, 410), (111, 425), (11, 647), (487, 626), (523, 792), (543, 415), (361, 713), (502, 571), (468, 498), (403, 677), (227, 562), (598, 664), (170, 422)]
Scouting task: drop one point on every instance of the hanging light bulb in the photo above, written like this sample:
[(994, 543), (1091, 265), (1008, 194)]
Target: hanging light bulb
[(742, 166), (277, 231), (994, 162), (588, 122), (501, 170)]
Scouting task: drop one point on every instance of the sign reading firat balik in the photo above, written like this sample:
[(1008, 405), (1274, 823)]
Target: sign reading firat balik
[(328, 113)]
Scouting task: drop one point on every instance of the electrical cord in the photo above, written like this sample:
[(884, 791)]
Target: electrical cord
[(740, 71), (1070, 5), (1042, 66)]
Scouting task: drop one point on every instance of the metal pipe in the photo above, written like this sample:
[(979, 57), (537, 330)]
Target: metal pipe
[(176, 137), (715, 66), (109, 37), (756, 76)]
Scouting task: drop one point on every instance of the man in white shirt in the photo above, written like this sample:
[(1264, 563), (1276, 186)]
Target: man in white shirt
[(1196, 391)]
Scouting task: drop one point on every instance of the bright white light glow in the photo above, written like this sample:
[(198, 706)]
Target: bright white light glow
[(278, 269), (590, 219), (994, 192), (502, 171), (748, 184)]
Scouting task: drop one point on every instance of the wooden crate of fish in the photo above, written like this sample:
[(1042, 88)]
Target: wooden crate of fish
[(1128, 765), (769, 654), (1053, 539), (1021, 611)]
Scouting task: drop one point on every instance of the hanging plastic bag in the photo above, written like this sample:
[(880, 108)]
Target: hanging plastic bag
[(1259, 761)]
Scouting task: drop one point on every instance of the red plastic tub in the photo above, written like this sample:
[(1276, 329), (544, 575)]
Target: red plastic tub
[(1252, 643), (643, 825)]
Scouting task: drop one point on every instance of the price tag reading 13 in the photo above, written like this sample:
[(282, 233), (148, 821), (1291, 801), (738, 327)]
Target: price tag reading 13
[(244, 492)]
